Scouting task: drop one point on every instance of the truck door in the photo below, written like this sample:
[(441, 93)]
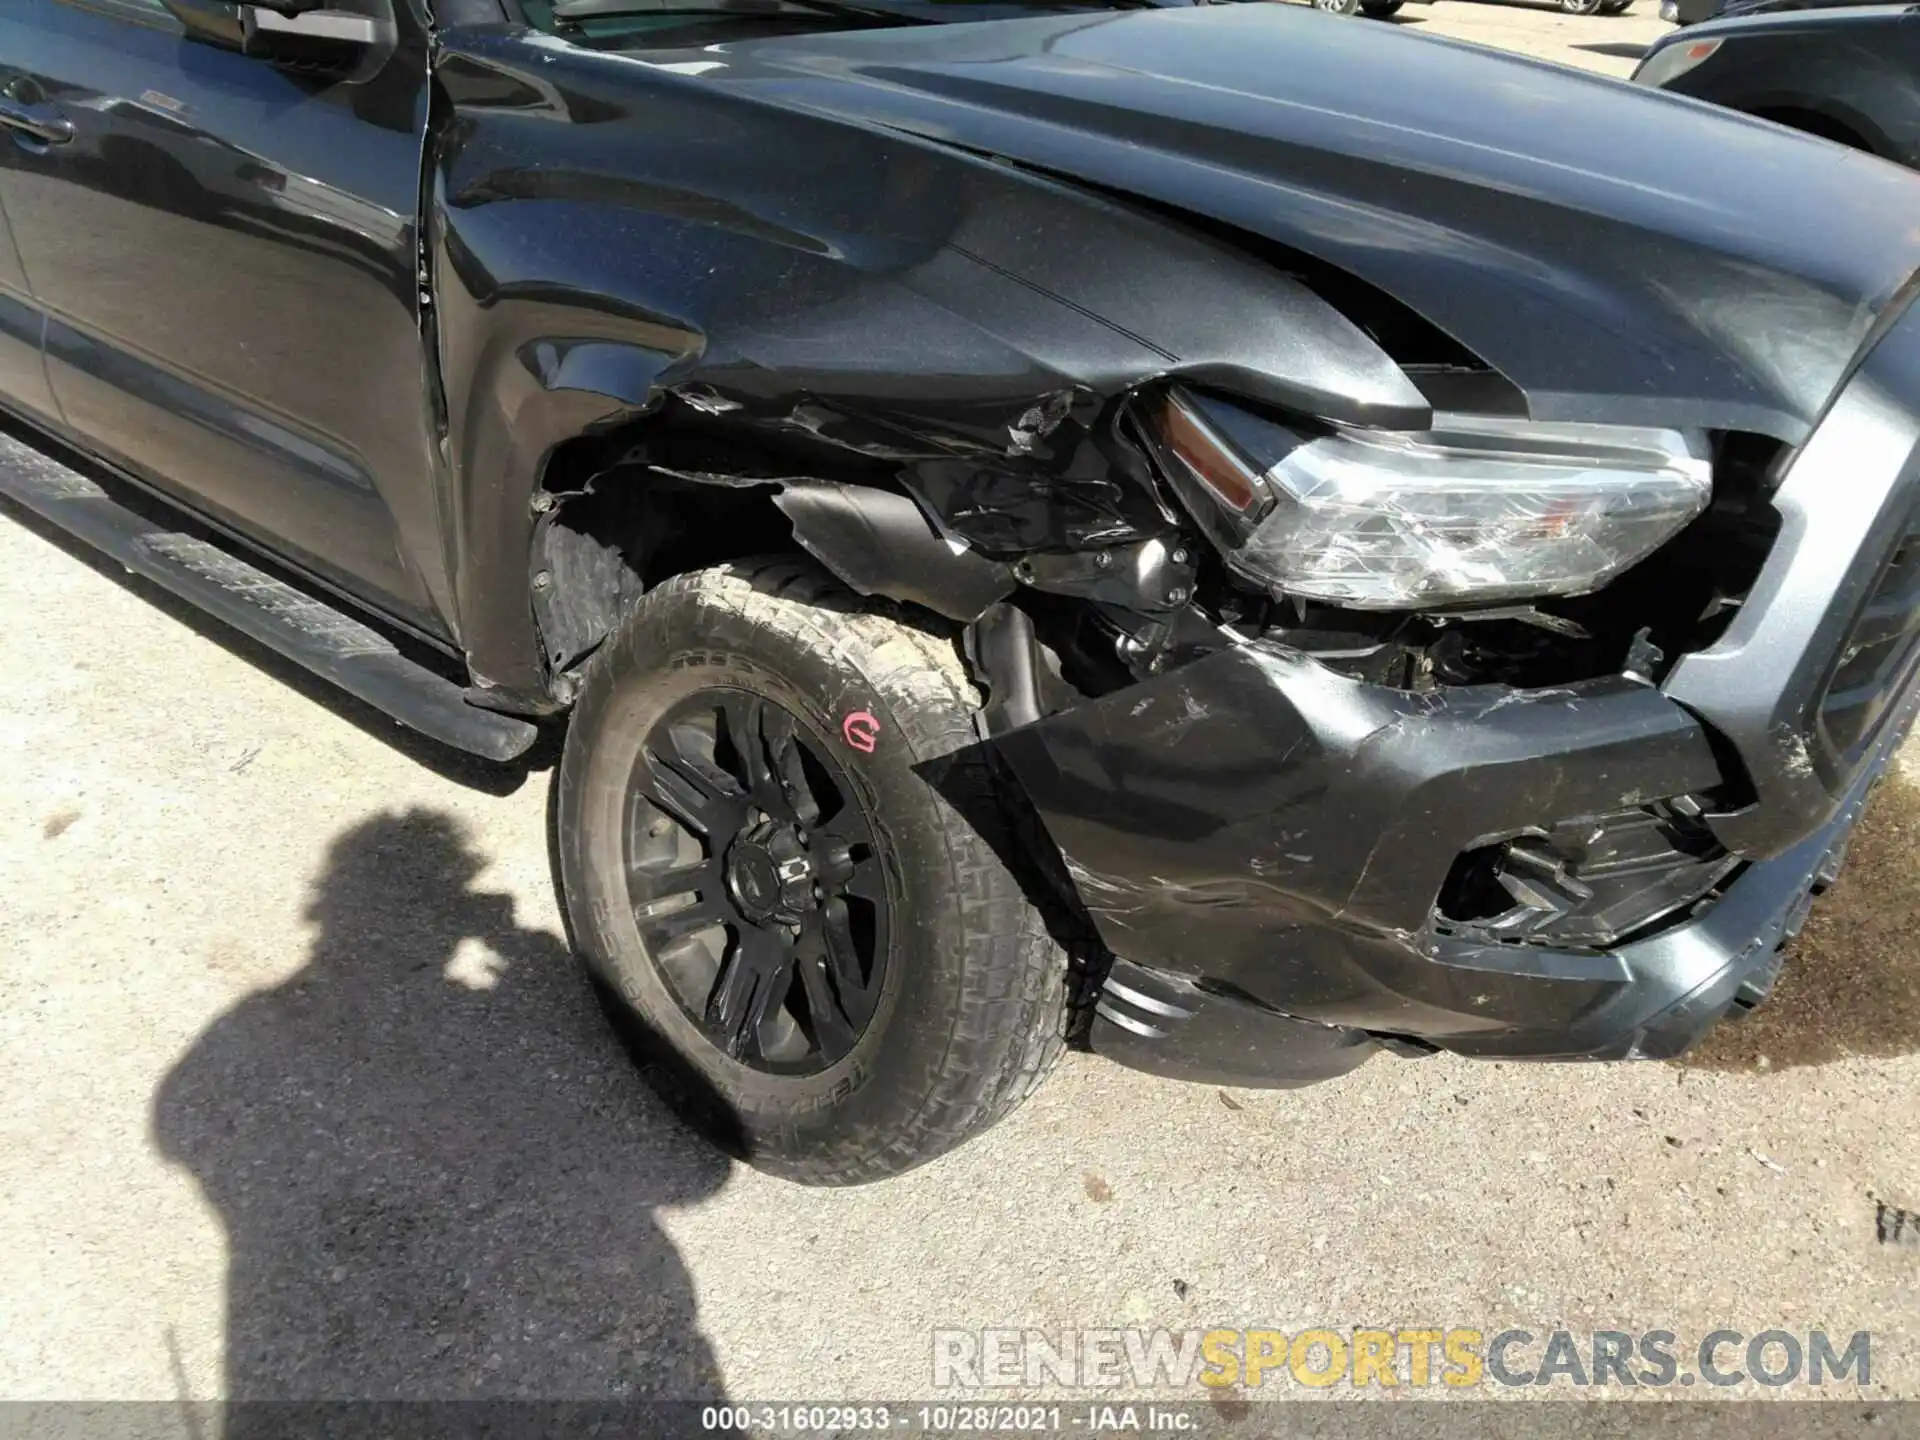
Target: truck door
[(217, 209), (23, 377)]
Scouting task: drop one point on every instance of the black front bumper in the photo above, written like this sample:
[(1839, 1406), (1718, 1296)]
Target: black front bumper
[(1263, 843), (1273, 849)]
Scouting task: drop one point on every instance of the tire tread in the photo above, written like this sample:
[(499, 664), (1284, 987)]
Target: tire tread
[(1011, 1020)]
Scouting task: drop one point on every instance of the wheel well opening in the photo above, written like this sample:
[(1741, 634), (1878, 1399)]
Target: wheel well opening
[(613, 526), (1812, 122)]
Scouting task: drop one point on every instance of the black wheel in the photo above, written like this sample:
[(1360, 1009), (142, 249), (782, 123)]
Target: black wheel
[(1380, 9), (1581, 7), (1615, 7), (825, 967), (1338, 7)]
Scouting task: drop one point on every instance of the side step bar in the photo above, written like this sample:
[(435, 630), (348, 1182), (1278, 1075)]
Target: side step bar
[(309, 631)]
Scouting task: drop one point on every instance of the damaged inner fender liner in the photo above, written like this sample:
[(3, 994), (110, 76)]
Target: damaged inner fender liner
[(591, 547), (880, 544)]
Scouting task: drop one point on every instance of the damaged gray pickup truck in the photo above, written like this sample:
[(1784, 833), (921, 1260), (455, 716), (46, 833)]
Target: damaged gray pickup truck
[(1236, 539)]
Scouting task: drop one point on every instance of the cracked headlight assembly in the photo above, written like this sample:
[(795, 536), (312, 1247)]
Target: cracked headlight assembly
[(1479, 508)]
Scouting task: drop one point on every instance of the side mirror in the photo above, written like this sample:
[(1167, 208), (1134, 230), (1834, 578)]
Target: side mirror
[(213, 22), (346, 40)]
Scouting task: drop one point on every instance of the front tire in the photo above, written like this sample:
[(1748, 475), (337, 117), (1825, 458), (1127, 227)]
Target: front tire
[(1338, 7), (821, 964), (1581, 7)]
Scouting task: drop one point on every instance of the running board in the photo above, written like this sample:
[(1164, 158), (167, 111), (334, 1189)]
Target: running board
[(311, 632)]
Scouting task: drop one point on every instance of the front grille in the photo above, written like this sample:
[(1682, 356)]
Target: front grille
[(1876, 660)]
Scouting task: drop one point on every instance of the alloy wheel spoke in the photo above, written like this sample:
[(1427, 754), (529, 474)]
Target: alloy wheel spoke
[(745, 717), (751, 984), (678, 797), (648, 883), (788, 771), (845, 824), (843, 962), (867, 882), (662, 929), (692, 790), (833, 1029)]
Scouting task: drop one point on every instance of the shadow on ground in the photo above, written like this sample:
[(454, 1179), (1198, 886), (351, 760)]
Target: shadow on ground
[(437, 1171), (1851, 985)]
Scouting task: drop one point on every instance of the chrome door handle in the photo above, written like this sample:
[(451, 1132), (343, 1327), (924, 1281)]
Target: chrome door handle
[(42, 122)]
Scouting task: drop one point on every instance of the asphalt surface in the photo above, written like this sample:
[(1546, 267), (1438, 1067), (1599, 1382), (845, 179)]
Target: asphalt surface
[(301, 1094)]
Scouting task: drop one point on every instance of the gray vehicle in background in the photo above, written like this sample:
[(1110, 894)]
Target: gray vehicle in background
[(1844, 73)]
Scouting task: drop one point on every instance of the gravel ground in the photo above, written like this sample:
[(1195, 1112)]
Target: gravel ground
[(1610, 44), (301, 1094)]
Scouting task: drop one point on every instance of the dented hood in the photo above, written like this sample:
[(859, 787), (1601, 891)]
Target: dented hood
[(1615, 252)]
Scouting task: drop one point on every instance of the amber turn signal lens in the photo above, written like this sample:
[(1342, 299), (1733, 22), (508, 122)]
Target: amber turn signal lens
[(1212, 462)]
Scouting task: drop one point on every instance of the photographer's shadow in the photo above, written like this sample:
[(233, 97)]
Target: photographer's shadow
[(437, 1170)]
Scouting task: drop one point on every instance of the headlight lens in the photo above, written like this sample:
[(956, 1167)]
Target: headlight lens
[(1477, 509)]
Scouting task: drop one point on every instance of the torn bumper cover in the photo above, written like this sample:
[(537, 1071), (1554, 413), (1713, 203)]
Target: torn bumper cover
[(1272, 849), (1295, 866)]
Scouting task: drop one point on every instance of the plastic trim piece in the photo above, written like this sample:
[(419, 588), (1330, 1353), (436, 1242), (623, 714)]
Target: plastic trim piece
[(1164, 1024), (881, 544)]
